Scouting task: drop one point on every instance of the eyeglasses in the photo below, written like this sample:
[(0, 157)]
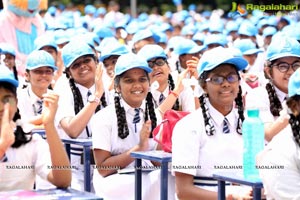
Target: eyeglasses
[(158, 62), (41, 72), (218, 80), (8, 99), (284, 67)]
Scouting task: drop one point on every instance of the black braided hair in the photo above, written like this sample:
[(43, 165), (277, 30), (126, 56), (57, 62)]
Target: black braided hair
[(209, 127), (275, 104), (240, 106), (78, 102), (123, 130), (15, 72), (293, 104), (171, 87), (21, 137)]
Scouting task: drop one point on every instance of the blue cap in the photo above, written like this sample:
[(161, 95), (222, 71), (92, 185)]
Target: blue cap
[(101, 11), (7, 76), (282, 47), (187, 46), (198, 37), (129, 61), (294, 84), (232, 26), (247, 28), (45, 40), (217, 56), (74, 50), (188, 30), (61, 36), (113, 49), (103, 32), (269, 31), (216, 26), (40, 58), (151, 51), (89, 9), (7, 48), (292, 31), (105, 43), (141, 34), (215, 39), (246, 46)]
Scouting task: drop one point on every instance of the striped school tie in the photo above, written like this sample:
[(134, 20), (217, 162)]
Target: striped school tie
[(225, 126), (161, 98), (39, 104), (136, 118)]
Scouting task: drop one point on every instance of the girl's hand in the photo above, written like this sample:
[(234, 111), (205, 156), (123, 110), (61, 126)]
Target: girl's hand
[(49, 107), (99, 88), (7, 136), (192, 66), (179, 85), (144, 136)]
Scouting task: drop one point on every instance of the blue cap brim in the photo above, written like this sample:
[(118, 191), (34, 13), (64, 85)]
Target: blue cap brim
[(14, 82)]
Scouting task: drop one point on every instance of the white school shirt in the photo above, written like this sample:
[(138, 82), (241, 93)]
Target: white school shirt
[(105, 137), (27, 102), (186, 98), (24, 163), (259, 98), (197, 154), (280, 166)]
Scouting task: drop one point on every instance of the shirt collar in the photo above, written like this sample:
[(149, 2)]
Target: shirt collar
[(281, 95), (219, 117), (128, 108)]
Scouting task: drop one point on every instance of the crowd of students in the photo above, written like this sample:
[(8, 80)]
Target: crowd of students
[(111, 78)]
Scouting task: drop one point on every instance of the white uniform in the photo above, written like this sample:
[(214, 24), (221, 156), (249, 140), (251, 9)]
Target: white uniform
[(105, 136), (27, 103), (200, 155), (259, 98), (280, 167), (186, 98), (66, 109), (24, 163), (28, 109)]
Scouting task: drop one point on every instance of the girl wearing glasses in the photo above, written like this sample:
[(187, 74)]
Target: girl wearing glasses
[(283, 59), (80, 98), (212, 132), (24, 155), (162, 83), (283, 180)]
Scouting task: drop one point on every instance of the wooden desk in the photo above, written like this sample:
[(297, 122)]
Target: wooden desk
[(157, 156), (256, 184)]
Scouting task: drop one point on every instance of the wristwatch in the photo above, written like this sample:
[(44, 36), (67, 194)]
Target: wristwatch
[(92, 98)]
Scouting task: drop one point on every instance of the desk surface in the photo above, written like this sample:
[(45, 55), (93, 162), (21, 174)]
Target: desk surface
[(79, 141), (238, 178), (156, 155), (61, 194)]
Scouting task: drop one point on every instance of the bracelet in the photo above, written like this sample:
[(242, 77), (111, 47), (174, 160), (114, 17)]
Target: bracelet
[(174, 93)]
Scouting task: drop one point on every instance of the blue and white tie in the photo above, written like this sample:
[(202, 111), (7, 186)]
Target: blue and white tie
[(225, 126), (161, 98), (39, 104), (136, 118), (89, 93)]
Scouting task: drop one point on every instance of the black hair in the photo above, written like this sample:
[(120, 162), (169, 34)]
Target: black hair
[(78, 102), (294, 119), (21, 137), (275, 104), (171, 87), (209, 127), (123, 130)]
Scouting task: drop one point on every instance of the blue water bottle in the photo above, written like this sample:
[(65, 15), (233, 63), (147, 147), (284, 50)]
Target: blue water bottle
[(253, 140)]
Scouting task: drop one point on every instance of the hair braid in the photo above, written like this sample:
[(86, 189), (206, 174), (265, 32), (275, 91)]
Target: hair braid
[(295, 122), (171, 87), (209, 127), (275, 104), (240, 107), (123, 130), (150, 109), (78, 103)]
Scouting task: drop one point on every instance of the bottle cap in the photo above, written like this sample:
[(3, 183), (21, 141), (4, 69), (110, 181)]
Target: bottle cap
[(253, 112)]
